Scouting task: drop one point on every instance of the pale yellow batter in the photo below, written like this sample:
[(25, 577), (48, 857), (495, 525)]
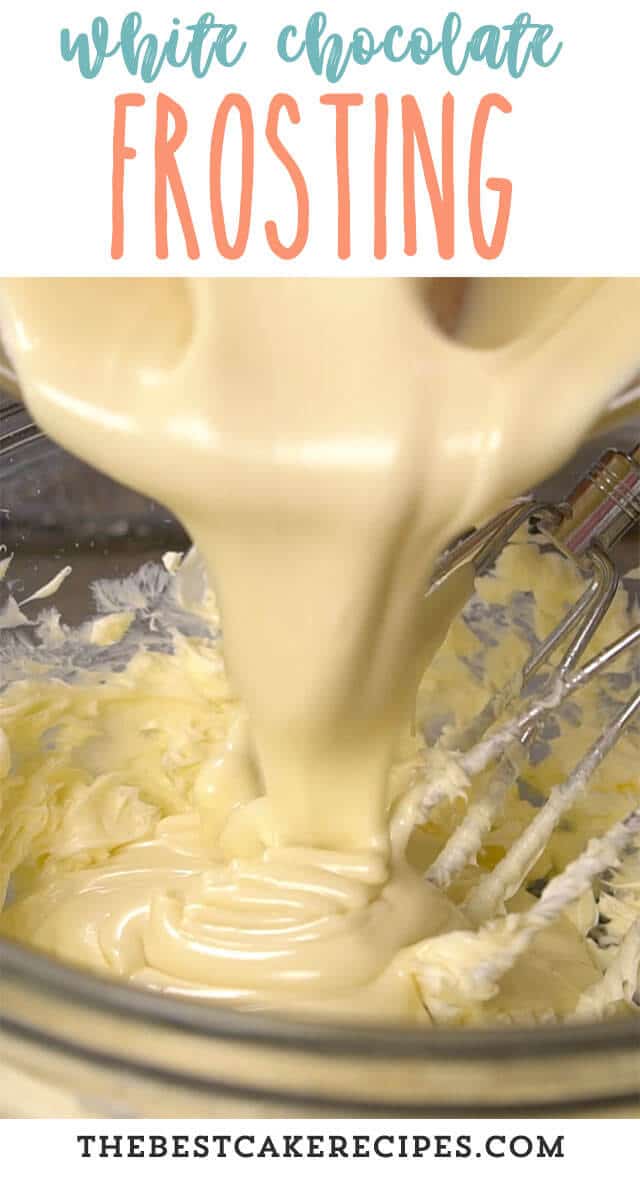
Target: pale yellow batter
[(322, 441)]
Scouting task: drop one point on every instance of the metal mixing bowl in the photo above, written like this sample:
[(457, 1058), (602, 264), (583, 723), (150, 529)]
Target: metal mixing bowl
[(75, 1044)]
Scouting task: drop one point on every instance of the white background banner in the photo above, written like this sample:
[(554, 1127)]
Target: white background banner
[(445, 1152), (564, 157)]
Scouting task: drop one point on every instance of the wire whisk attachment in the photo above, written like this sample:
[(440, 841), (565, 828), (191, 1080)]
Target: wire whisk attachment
[(584, 527)]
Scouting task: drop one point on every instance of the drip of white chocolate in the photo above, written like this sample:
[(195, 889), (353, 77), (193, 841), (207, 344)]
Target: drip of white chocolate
[(322, 441)]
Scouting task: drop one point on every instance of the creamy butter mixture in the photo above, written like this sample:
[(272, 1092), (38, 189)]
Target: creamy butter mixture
[(237, 830)]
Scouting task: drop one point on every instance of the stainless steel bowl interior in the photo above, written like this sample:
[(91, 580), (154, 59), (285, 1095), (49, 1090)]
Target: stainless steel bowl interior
[(127, 1051)]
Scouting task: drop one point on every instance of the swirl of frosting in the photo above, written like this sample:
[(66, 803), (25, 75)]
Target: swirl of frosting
[(268, 931)]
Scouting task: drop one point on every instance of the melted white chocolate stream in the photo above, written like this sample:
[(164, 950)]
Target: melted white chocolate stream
[(322, 441)]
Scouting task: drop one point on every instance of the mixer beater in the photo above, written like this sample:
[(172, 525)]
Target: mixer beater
[(466, 966)]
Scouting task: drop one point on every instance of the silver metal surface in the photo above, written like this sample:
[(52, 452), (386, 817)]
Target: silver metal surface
[(603, 506)]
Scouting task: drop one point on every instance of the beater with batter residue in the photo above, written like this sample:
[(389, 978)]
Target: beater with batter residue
[(600, 510)]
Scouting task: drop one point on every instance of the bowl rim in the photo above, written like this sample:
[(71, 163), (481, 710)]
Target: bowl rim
[(344, 1038)]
